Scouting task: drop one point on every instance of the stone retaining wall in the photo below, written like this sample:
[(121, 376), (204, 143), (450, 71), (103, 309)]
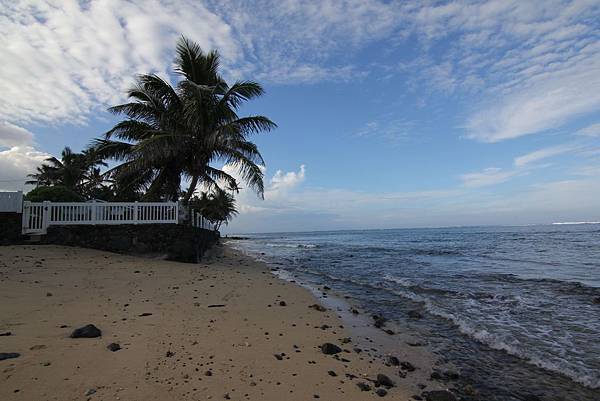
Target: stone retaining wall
[(10, 228), (168, 241)]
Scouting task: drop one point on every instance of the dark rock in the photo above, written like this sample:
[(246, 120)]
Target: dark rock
[(114, 347), (90, 392), (363, 386), (451, 375), (392, 360), (407, 366), (330, 349), (208, 373), (596, 301), (385, 381), (354, 311), (279, 357), (282, 303), (332, 373), (413, 314), (318, 307), (436, 376), (145, 314), (469, 390), (8, 333), (326, 288), (169, 354), (346, 340), (9, 355), (216, 306), (390, 332), (381, 392), (88, 331), (48, 294), (379, 321), (439, 396)]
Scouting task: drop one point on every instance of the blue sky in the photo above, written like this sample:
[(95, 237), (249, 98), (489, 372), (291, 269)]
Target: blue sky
[(390, 114)]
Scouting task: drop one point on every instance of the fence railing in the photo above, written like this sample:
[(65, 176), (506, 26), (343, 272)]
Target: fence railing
[(11, 202), (38, 216), (199, 221)]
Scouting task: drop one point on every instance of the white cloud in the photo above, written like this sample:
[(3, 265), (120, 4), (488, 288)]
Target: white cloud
[(282, 182), (16, 163), (535, 66), (545, 102), (544, 153), (63, 60), (591, 130), (13, 135), (487, 177), (304, 208)]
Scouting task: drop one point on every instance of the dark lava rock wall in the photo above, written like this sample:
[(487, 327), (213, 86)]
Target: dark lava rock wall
[(10, 228), (169, 241)]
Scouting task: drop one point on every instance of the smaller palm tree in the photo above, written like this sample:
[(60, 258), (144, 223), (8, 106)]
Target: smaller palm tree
[(217, 207), (77, 172)]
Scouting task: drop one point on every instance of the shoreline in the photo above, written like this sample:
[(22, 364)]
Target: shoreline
[(223, 329)]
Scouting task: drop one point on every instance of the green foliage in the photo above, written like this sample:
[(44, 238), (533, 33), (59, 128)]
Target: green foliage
[(218, 207), (56, 193), (75, 171), (176, 133)]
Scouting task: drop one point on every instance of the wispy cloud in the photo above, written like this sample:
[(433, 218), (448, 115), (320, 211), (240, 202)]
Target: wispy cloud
[(591, 130), (487, 177), (533, 66), (544, 153), (389, 129), (13, 135)]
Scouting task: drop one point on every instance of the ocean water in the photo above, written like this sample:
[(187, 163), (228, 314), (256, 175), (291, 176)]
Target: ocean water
[(515, 309)]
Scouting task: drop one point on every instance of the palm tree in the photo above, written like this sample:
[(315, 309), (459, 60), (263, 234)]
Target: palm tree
[(145, 140), (218, 207), (180, 133), (77, 172)]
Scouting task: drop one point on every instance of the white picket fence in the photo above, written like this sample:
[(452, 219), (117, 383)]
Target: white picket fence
[(199, 221), (11, 202), (38, 216)]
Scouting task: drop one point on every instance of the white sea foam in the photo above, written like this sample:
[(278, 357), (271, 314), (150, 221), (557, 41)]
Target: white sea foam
[(575, 222)]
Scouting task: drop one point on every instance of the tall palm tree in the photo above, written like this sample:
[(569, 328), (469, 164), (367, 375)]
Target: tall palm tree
[(145, 140), (181, 133)]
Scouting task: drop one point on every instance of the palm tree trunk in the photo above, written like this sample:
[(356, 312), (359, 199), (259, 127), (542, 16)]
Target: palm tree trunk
[(191, 189)]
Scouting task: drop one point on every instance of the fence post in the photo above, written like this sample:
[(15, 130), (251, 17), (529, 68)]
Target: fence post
[(135, 212), (93, 216), (25, 217), (177, 212), (46, 210)]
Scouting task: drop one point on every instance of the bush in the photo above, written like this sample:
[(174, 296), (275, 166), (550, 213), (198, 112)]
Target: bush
[(53, 194)]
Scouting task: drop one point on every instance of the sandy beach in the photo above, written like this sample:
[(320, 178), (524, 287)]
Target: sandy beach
[(223, 329)]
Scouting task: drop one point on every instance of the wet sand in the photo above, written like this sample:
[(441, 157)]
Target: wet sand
[(224, 329)]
